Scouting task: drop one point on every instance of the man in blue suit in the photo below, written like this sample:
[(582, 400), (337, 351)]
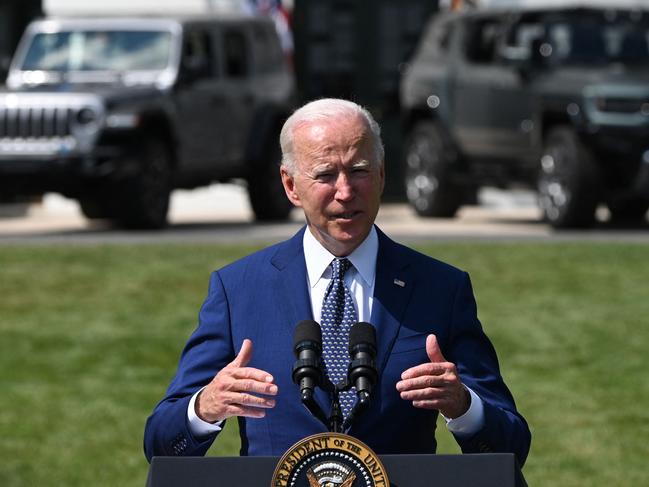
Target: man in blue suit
[(433, 356)]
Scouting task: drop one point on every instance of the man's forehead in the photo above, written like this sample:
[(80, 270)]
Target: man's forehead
[(331, 128)]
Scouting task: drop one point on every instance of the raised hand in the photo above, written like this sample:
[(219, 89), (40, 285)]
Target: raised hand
[(237, 390), (435, 384)]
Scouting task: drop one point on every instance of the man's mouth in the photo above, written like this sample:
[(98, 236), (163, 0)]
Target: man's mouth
[(347, 215)]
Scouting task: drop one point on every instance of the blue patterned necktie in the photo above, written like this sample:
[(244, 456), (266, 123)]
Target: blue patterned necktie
[(338, 315)]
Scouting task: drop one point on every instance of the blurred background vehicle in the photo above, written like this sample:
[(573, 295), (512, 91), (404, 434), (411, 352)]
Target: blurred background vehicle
[(363, 49), (555, 98), (117, 112)]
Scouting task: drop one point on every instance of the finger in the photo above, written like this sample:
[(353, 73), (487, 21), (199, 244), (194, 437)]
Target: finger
[(426, 394), (247, 411), (426, 369), (255, 386), (429, 404), (251, 400), (432, 349), (248, 400), (422, 382), (250, 373), (245, 354)]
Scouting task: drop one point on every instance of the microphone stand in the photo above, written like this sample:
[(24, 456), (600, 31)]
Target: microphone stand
[(336, 416), (314, 408), (336, 422)]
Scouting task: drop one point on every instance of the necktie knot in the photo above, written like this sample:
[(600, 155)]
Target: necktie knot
[(339, 266)]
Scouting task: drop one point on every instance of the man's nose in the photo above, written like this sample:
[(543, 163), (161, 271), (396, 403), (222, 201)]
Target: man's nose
[(344, 190)]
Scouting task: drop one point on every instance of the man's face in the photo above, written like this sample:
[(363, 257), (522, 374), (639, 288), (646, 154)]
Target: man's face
[(337, 182)]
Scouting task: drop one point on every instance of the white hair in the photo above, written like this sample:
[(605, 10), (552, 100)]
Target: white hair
[(324, 109)]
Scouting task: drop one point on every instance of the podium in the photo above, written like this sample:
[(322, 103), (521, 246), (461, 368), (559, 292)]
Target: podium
[(474, 470)]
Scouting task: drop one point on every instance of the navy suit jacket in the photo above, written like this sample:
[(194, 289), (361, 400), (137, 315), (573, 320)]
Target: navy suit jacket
[(264, 295)]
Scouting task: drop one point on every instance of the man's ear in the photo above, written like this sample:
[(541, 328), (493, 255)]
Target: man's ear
[(289, 187)]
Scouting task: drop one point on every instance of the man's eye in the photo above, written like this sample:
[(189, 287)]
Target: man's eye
[(325, 176), (360, 171)]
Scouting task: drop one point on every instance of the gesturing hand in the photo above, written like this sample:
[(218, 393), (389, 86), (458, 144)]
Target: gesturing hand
[(435, 385), (236, 390)]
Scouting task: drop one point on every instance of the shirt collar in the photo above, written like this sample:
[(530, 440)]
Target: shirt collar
[(363, 258)]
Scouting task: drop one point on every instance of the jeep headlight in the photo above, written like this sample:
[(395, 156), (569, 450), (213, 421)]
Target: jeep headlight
[(87, 116)]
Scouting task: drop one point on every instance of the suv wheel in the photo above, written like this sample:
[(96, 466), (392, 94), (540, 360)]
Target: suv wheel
[(429, 188), (94, 207), (568, 182), (265, 189), (629, 211), (144, 202)]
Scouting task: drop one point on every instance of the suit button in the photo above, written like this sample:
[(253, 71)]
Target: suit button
[(179, 445)]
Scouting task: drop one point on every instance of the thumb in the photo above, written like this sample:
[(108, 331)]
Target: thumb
[(245, 354), (432, 349)]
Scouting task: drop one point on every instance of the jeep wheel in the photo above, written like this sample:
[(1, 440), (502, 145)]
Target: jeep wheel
[(628, 211), (144, 202), (568, 183), (428, 156), (265, 190), (94, 208)]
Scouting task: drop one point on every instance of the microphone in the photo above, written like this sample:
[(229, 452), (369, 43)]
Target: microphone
[(307, 346), (362, 369)]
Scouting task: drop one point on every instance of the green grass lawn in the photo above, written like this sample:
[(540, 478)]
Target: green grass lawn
[(90, 337)]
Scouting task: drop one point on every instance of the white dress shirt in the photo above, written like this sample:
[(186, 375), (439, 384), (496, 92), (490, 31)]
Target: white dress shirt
[(359, 279)]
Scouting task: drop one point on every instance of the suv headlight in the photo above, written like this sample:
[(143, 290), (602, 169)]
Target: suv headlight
[(87, 116)]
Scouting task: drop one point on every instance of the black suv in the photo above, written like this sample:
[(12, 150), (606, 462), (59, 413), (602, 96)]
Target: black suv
[(556, 99), (117, 112)]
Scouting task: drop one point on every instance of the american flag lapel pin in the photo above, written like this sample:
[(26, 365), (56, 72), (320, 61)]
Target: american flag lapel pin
[(399, 282)]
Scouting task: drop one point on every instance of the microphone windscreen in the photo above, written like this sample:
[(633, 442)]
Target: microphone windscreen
[(307, 330), (362, 333)]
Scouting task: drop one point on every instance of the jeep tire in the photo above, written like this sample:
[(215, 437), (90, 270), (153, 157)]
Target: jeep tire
[(630, 211), (265, 189), (429, 157), (95, 207), (568, 182), (144, 200)]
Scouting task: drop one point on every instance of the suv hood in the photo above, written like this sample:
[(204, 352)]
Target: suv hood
[(574, 80), (108, 93)]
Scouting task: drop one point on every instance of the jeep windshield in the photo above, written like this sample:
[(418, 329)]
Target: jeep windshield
[(599, 40), (95, 56)]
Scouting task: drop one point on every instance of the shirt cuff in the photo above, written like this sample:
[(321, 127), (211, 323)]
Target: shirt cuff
[(470, 422), (197, 426)]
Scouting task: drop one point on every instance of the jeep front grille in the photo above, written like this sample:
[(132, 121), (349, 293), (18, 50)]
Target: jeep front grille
[(35, 122), (623, 105)]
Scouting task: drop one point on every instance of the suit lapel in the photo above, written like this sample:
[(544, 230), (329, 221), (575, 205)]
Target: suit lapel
[(293, 295), (392, 291)]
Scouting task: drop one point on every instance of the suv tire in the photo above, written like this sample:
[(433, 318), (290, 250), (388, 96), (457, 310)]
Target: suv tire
[(628, 211), (265, 189), (94, 207), (568, 182), (144, 202), (428, 158)]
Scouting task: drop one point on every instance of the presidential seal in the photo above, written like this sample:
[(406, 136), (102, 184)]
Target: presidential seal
[(330, 460)]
